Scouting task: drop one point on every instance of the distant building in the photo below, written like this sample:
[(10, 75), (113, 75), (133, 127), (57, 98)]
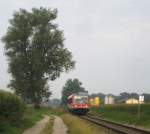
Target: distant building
[(109, 99), (129, 101), (132, 101), (94, 101)]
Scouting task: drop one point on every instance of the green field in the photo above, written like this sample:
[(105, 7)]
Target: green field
[(125, 114)]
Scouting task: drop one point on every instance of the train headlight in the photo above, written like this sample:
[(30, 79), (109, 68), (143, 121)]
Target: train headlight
[(75, 106)]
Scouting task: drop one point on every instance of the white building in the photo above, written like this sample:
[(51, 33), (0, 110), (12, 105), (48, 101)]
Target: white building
[(133, 101), (109, 99)]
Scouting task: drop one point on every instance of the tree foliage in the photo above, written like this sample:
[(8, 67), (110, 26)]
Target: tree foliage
[(71, 86), (36, 53), (11, 107)]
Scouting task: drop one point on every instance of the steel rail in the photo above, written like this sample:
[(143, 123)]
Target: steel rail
[(117, 127)]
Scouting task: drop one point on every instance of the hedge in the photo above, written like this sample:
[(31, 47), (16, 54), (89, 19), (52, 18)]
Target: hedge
[(11, 107)]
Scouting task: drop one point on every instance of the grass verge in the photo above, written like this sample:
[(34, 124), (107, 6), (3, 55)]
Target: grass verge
[(80, 126), (30, 117), (49, 126)]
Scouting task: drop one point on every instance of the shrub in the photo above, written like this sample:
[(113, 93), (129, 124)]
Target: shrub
[(11, 107)]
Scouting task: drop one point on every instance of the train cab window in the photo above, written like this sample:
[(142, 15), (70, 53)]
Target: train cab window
[(81, 100), (70, 100)]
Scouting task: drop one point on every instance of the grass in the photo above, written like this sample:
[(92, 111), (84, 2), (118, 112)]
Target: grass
[(80, 126), (125, 114), (31, 116)]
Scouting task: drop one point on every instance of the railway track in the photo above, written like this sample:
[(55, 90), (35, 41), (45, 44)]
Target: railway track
[(117, 127)]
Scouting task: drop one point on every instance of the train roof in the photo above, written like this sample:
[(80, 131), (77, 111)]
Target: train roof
[(78, 94)]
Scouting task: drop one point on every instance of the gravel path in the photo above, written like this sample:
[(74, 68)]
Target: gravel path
[(38, 127), (59, 126)]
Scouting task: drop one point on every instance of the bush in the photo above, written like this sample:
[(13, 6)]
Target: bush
[(11, 107)]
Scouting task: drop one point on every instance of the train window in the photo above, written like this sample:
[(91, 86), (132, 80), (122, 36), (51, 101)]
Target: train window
[(81, 100), (70, 100)]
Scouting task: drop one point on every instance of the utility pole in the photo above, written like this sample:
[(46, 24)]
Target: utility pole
[(139, 110), (141, 100)]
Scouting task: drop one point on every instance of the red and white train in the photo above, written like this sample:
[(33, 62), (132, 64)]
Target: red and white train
[(78, 103)]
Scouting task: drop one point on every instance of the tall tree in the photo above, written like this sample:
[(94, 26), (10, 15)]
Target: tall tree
[(35, 49), (71, 86)]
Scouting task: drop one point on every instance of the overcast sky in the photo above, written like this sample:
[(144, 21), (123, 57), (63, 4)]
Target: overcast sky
[(109, 39)]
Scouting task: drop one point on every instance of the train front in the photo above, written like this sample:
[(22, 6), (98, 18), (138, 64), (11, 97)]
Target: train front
[(79, 104)]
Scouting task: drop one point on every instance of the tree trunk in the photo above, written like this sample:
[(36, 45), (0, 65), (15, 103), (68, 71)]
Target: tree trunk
[(36, 105)]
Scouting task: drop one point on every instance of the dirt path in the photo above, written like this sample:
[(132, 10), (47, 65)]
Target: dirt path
[(59, 126), (38, 127)]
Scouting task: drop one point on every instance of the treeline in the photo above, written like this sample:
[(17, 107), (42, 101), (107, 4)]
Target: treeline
[(122, 96)]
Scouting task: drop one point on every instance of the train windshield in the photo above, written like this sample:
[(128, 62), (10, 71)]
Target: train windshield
[(81, 99)]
